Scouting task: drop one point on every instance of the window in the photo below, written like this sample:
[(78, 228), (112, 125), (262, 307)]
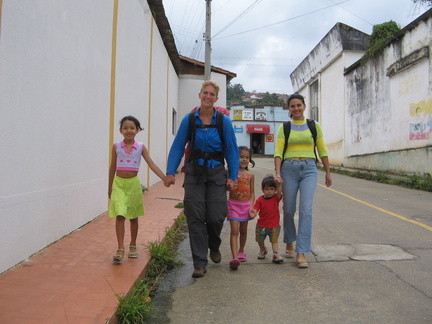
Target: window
[(314, 100), (174, 121)]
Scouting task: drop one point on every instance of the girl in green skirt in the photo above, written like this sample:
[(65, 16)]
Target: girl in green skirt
[(124, 187)]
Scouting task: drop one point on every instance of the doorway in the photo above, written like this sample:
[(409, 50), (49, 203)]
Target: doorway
[(257, 143)]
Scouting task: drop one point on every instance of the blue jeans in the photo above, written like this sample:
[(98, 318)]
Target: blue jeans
[(298, 176)]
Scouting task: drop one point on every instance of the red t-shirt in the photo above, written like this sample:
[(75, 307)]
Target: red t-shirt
[(268, 210)]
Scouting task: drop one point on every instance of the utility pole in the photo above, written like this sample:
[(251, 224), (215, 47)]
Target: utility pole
[(207, 37)]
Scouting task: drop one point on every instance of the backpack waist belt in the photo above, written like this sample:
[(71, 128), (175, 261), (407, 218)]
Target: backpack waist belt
[(198, 154)]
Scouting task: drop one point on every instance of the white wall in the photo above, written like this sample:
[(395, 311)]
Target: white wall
[(381, 106), (55, 99)]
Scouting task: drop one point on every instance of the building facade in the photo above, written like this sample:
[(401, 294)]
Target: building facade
[(376, 114), (69, 71), (256, 127)]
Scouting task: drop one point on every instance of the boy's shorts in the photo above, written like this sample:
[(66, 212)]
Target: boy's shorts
[(272, 233)]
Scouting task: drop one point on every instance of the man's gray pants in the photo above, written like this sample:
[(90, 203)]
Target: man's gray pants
[(205, 206)]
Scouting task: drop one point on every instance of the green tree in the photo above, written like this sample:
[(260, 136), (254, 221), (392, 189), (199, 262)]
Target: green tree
[(235, 93), (271, 99), (380, 34)]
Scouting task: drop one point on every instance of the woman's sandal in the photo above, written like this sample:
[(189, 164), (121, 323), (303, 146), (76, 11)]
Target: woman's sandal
[(303, 263), (289, 251), (289, 254), (118, 258), (133, 255)]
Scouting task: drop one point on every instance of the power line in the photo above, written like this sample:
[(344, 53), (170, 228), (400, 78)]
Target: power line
[(239, 16), (282, 21), (352, 13)]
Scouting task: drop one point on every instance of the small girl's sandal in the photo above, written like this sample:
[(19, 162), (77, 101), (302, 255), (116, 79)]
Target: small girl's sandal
[(118, 258), (133, 255), (242, 257)]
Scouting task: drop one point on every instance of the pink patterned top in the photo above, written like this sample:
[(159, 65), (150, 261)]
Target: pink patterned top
[(242, 188), (129, 161)]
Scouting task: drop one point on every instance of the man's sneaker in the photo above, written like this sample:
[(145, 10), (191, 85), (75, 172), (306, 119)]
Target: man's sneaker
[(215, 256), (262, 253), (277, 258), (199, 272)]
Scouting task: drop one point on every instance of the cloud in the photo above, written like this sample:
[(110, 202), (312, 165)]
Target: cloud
[(263, 41)]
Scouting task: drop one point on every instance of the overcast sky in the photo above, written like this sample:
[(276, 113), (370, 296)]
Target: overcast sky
[(262, 41)]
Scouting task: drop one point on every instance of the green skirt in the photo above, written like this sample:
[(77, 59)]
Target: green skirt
[(126, 198)]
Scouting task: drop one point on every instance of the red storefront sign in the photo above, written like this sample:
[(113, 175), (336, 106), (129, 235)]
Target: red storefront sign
[(255, 128)]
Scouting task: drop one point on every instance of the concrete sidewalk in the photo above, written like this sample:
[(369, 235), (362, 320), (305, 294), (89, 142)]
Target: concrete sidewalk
[(73, 280)]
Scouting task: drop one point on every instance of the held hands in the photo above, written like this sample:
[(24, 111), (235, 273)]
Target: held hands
[(328, 180), (278, 180), (230, 184), (252, 213), (169, 180)]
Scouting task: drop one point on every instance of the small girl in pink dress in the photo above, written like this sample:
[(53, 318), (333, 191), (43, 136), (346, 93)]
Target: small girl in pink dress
[(240, 202)]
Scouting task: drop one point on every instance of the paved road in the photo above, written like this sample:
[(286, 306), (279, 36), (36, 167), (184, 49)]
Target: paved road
[(371, 263)]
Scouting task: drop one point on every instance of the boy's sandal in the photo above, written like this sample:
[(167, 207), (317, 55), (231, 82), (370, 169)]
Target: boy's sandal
[(118, 258), (242, 257), (289, 254), (133, 255)]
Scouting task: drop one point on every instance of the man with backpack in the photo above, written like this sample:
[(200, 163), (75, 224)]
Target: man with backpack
[(212, 141)]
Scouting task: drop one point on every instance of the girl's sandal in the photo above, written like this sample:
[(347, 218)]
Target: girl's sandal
[(133, 255), (242, 257), (118, 258)]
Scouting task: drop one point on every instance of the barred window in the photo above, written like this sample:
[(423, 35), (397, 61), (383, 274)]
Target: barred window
[(314, 100)]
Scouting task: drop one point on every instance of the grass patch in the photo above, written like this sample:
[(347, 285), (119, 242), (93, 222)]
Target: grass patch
[(404, 180), (136, 307), (179, 205)]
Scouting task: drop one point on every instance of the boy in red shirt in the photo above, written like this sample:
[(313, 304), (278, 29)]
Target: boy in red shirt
[(268, 223)]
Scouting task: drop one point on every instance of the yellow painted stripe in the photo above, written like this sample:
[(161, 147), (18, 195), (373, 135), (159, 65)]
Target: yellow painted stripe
[(1, 6), (113, 76), (370, 205), (380, 209), (112, 90), (150, 96)]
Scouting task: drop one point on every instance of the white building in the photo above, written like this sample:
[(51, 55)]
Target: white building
[(69, 71), (256, 127), (376, 115)]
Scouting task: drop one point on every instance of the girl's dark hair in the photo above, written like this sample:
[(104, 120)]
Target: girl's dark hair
[(132, 119), (244, 148), (268, 181), (295, 96)]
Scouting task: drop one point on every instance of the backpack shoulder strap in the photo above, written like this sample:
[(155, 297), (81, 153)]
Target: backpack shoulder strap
[(287, 131), (312, 128), (192, 125), (219, 124)]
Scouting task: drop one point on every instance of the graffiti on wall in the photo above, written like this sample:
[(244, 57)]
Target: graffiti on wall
[(420, 120)]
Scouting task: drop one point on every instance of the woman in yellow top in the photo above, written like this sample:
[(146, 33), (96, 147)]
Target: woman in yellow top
[(297, 172)]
